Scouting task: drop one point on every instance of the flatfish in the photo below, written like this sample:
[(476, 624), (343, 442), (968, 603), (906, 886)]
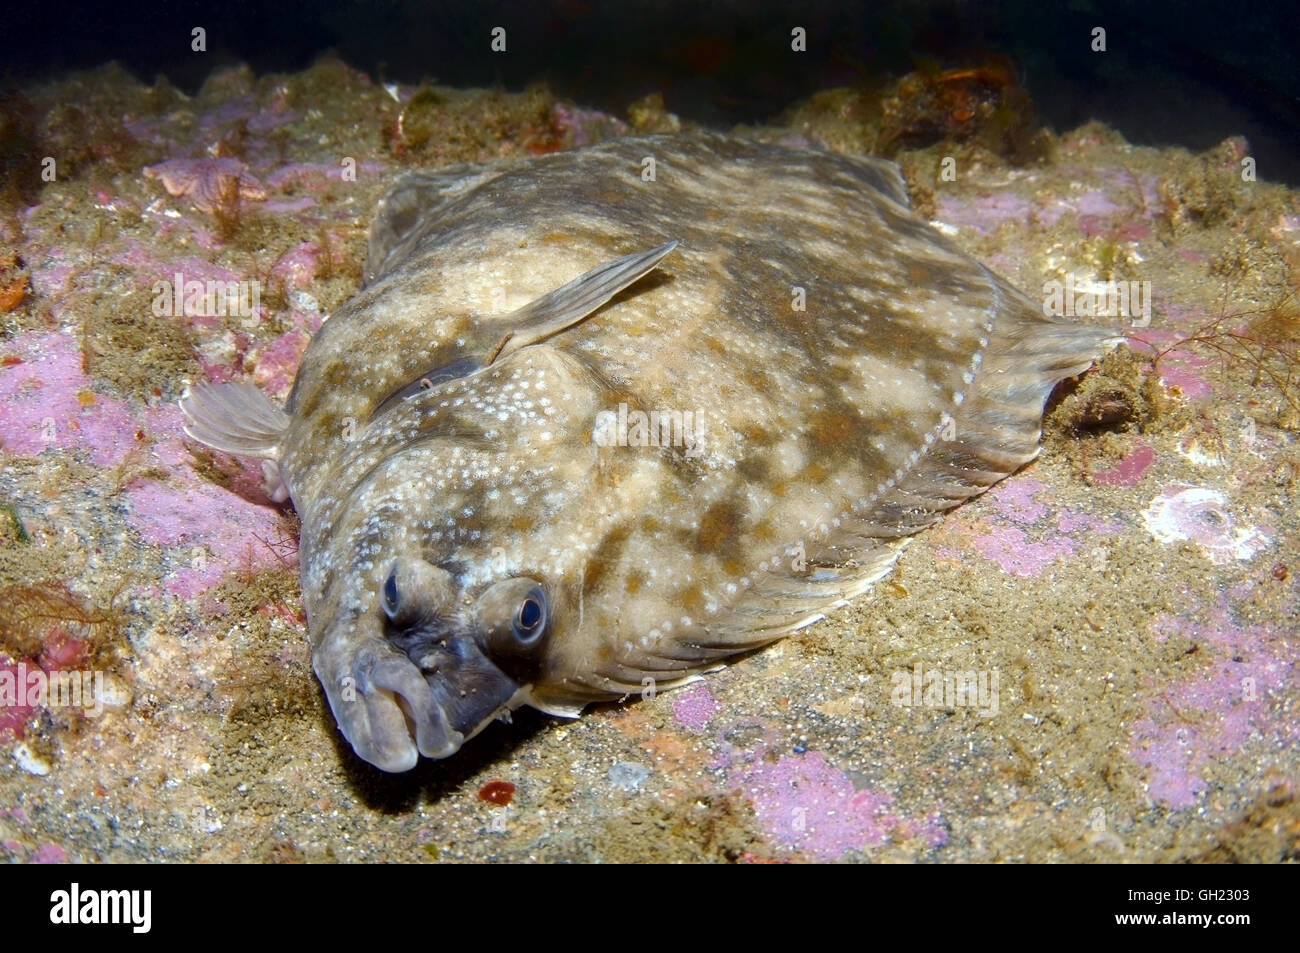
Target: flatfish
[(598, 420)]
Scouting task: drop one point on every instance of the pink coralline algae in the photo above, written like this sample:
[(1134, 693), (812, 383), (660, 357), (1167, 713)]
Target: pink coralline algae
[(1011, 549), (207, 531), (1179, 368), (1008, 545), (316, 176), (1099, 216), (296, 268), (585, 125), (694, 707), (47, 406), (1021, 535), (48, 854), (275, 363), (1224, 705), (985, 215), (1017, 500), (13, 717), (208, 183), (278, 363), (1131, 468), (808, 805), (46, 403), (1200, 515), (1180, 372)]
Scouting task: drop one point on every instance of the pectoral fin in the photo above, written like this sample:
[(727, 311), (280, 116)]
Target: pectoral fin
[(234, 417), (237, 418), (570, 303)]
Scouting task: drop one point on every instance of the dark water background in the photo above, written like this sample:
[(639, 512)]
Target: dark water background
[(1189, 72)]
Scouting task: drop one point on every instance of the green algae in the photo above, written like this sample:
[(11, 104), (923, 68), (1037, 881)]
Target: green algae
[(132, 352), (19, 531)]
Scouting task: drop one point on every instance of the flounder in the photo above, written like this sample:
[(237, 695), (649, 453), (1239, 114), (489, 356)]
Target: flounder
[(598, 420)]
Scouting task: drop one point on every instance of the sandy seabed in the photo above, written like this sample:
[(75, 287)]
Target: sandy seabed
[(1125, 607)]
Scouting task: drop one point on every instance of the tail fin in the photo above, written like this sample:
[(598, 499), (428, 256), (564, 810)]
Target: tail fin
[(995, 430), (991, 433)]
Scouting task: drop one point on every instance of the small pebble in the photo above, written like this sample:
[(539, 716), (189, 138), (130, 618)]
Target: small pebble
[(627, 775), (29, 761), (302, 301)]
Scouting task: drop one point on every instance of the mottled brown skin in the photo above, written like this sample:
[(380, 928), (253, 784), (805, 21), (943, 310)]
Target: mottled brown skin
[(913, 379)]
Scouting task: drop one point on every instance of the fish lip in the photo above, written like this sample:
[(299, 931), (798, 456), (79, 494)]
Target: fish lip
[(395, 681), (395, 699), (384, 707), (395, 756), (376, 727)]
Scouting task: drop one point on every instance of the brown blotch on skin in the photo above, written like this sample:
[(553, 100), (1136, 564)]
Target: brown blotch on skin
[(606, 557), (920, 275), (758, 379), (830, 428), (756, 435), (733, 567), (753, 468), (691, 599), (718, 528)]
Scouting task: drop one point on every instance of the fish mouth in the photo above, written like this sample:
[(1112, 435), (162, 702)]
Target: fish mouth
[(393, 710), (398, 682), (386, 710)]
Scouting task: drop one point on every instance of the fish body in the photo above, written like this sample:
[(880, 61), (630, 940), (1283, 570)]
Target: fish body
[(599, 420)]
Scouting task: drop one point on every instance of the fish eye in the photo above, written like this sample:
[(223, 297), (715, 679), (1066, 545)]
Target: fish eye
[(512, 616), (414, 590), (390, 594), (530, 619)]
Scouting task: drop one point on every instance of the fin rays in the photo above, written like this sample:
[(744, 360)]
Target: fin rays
[(572, 302), (234, 417)]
